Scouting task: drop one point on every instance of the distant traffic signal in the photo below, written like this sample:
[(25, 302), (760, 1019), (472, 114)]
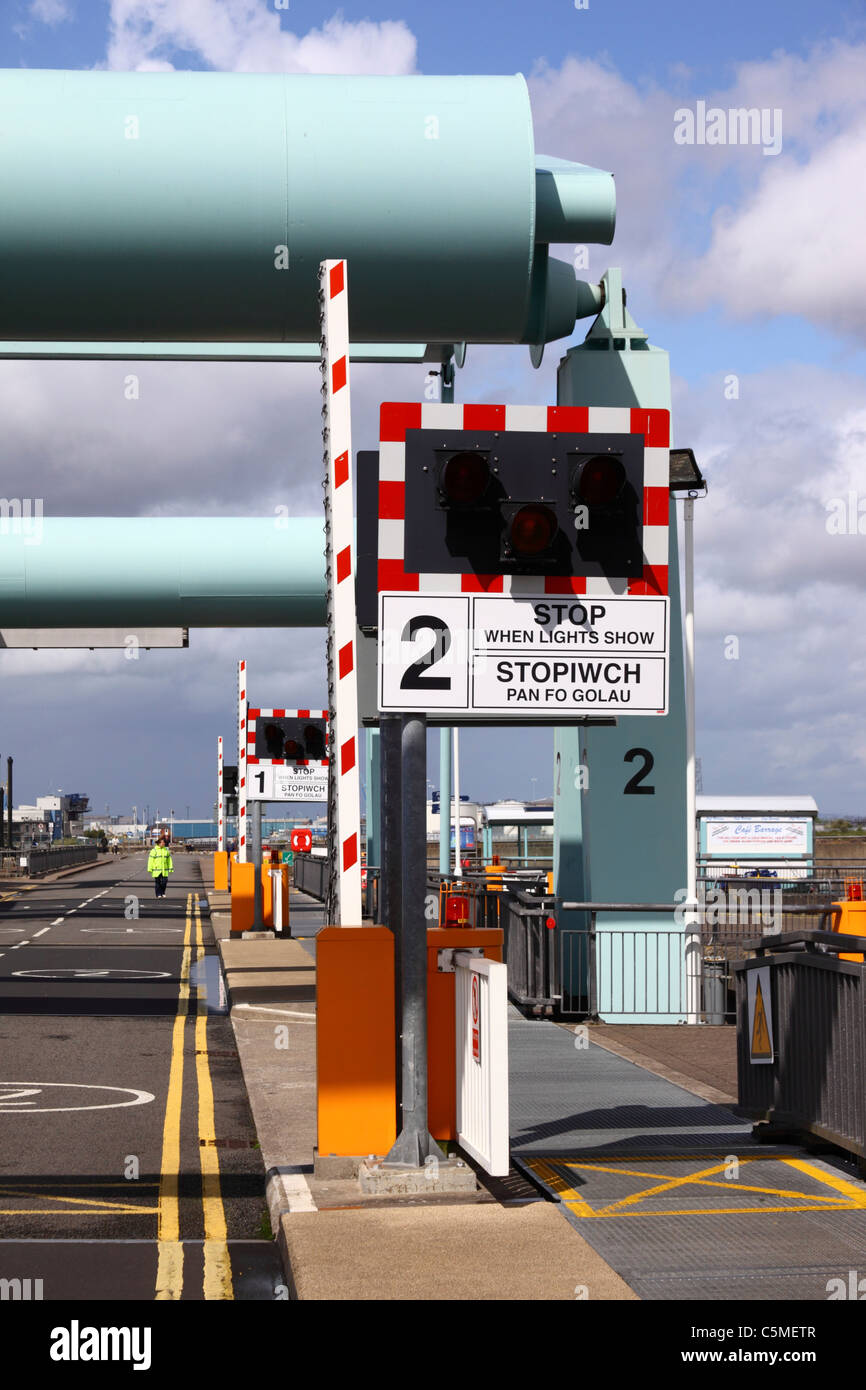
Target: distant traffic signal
[(230, 781), (291, 739)]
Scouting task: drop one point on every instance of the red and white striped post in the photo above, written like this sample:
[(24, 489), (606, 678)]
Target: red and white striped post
[(221, 825), (344, 806), (242, 762)]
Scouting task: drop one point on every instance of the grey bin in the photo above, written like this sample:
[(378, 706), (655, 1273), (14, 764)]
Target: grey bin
[(715, 990)]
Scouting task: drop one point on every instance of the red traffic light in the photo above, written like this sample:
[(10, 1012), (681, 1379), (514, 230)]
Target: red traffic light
[(465, 478), (532, 529), (293, 749), (601, 480)]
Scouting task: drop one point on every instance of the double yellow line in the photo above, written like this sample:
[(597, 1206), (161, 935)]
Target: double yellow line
[(217, 1282)]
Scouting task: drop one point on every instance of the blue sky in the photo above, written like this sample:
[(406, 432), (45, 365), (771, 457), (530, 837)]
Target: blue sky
[(735, 262)]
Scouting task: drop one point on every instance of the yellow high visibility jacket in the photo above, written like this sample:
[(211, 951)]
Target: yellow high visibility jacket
[(159, 861)]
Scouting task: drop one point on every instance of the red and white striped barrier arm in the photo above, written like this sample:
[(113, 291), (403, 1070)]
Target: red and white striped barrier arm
[(344, 806), (221, 828), (242, 762)]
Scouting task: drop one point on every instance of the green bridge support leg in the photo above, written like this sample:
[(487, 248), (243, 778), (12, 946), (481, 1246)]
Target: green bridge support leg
[(613, 844)]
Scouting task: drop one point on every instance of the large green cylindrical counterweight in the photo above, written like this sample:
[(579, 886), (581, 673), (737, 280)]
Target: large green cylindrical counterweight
[(190, 206)]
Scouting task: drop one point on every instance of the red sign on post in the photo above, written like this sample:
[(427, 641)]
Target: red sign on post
[(301, 841), (476, 1020)]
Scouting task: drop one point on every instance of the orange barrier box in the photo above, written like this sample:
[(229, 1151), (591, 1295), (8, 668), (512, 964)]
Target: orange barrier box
[(851, 922), (242, 889), (268, 894), (355, 1040), (357, 1029), (221, 871)]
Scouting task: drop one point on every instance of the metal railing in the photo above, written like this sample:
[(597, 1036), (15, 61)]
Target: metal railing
[(44, 861), (816, 1081), (531, 951), (310, 875)]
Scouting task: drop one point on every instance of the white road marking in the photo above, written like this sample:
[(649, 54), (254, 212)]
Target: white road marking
[(289, 1013), (14, 1102), (288, 1192), (42, 932), (57, 921)]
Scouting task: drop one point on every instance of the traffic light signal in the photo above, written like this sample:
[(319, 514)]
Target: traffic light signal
[(230, 780), (291, 739), (520, 502)]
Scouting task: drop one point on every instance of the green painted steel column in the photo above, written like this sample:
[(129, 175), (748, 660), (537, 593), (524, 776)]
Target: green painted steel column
[(633, 846)]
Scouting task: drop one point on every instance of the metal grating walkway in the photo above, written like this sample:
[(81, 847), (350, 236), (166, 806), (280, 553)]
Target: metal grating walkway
[(670, 1189)]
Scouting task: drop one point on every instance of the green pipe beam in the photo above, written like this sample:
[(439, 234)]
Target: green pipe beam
[(156, 571), (196, 207)]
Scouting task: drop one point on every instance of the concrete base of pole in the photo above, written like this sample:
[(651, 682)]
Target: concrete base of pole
[(398, 1179), (263, 935)]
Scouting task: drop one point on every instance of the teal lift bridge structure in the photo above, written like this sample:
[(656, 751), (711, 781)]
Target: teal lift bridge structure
[(184, 216)]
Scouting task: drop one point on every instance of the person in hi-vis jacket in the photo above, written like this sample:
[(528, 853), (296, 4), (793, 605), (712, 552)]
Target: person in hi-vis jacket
[(160, 866)]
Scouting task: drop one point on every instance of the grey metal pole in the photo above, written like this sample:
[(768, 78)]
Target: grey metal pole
[(414, 1143), (444, 800), (391, 881), (256, 844), (391, 859)]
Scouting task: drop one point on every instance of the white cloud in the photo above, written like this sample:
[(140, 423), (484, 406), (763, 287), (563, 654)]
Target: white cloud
[(245, 36), (795, 246), (51, 12), (706, 225)]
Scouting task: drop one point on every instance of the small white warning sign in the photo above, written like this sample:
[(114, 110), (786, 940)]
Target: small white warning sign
[(760, 1005), (530, 657)]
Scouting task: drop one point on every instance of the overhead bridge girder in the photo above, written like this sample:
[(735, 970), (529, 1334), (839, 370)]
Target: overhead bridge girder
[(155, 571), (196, 207)]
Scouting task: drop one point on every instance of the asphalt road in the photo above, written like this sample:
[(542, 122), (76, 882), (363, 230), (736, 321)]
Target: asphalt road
[(129, 1166)]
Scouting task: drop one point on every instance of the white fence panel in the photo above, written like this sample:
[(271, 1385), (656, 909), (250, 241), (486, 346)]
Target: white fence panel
[(482, 1060)]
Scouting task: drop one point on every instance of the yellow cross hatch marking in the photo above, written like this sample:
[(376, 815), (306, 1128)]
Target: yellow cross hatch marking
[(792, 1200)]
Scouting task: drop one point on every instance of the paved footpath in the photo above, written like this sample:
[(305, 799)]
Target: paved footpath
[(129, 1165)]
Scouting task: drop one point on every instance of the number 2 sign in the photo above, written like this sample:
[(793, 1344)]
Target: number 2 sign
[(423, 659)]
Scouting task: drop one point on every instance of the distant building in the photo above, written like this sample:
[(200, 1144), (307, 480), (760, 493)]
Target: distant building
[(742, 833)]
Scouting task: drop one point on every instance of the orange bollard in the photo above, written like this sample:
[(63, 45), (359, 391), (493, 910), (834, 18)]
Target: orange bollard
[(851, 920), (243, 885), (221, 871)]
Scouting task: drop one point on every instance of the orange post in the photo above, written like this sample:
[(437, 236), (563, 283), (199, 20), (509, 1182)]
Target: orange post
[(243, 884), (221, 871)]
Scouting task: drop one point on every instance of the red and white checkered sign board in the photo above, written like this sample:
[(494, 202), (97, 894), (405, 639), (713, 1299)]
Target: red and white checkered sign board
[(254, 714), (396, 417)]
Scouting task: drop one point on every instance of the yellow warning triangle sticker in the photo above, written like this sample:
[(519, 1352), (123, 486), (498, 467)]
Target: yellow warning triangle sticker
[(761, 1045)]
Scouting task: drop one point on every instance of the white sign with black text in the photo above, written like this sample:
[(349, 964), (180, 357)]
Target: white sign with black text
[(492, 654), (287, 783)]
